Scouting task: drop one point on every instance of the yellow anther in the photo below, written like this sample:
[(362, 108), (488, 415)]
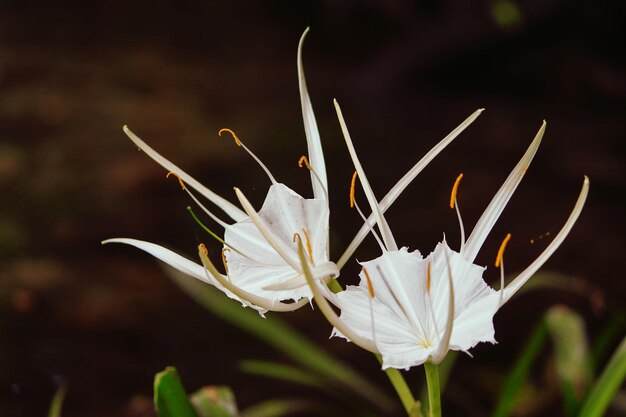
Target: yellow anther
[(309, 248), (180, 180), (304, 161), (203, 249), (501, 250), (455, 188), (237, 141), (370, 287), (352, 187), (428, 278), (224, 259)]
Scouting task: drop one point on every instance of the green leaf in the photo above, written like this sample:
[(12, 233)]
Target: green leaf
[(573, 361), (57, 402), (215, 401), (170, 398), (282, 337), (519, 373), (284, 373), (607, 336), (607, 384)]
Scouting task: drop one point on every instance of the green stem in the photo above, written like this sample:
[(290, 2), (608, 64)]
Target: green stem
[(399, 384), (434, 396)]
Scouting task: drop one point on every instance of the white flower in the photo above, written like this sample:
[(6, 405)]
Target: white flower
[(260, 256), (260, 252), (412, 309)]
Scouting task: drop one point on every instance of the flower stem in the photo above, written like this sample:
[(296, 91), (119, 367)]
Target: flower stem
[(401, 387), (434, 395)]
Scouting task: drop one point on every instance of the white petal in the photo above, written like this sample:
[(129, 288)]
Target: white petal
[(230, 209), (499, 201), (171, 258), (316, 156), (395, 336), (521, 279), (385, 231), (262, 269), (401, 185), (254, 300), (475, 303)]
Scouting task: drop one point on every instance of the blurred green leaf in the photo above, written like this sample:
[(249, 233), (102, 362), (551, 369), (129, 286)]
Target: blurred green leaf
[(571, 349), (519, 373), (607, 384), (279, 408), (215, 401), (284, 373), (614, 328), (57, 402), (170, 398), (281, 336)]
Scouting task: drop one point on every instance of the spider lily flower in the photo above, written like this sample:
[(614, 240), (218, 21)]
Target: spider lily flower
[(413, 309), (260, 255)]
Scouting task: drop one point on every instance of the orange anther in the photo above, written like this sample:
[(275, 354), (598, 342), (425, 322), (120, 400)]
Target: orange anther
[(455, 188), (237, 141), (309, 248), (501, 250), (203, 249), (304, 161), (428, 278), (370, 287), (224, 259), (352, 187), (180, 180)]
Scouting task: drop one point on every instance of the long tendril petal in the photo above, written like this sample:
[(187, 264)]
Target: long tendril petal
[(403, 183), (385, 231), (229, 208), (521, 279), (496, 206), (313, 141), (326, 309)]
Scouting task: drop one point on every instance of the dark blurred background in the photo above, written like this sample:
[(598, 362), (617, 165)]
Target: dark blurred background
[(103, 320)]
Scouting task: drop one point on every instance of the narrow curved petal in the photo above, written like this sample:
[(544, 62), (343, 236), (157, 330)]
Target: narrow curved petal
[(521, 279), (496, 206), (326, 309), (316, 156), (385, 231), (402, 184), (230, 209)]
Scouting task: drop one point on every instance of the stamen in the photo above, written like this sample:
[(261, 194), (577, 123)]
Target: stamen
[(203, 248), (224, 259), (304, 161), (180, 180), (352, 186), (455, 188), (309, 248), (370, 287), (501, 250), (237, 141), (213, 234), (428, 278)]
